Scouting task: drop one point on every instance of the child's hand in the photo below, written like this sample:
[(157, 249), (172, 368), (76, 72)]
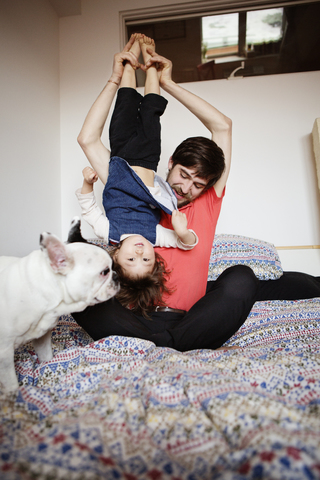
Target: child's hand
[(120, 58), (163, 65), (179, 223), (89, 175), (180, 226)]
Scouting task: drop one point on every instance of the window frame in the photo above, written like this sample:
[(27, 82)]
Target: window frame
[(186, 10)]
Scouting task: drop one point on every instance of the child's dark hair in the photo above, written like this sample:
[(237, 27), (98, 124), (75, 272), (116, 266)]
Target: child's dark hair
[(144, 294), (202, 154)]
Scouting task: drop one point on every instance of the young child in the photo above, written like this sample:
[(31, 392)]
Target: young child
[(134, 195)]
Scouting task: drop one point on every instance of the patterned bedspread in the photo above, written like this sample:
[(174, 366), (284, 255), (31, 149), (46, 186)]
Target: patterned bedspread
[(121, 408)]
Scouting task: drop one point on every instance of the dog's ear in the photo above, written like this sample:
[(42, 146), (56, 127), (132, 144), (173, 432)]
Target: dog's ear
[(75, 232), (56, 250)]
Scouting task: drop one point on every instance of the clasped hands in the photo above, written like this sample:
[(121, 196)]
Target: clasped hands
[(162, 64)]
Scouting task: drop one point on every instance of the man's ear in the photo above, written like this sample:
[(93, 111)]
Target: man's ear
[(170, 163)]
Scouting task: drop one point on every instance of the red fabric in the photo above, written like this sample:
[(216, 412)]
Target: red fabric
[(189, 269)]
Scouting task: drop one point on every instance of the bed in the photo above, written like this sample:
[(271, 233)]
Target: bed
[(122, 408)]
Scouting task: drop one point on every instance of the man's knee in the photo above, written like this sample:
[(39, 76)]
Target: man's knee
[(240, 281)]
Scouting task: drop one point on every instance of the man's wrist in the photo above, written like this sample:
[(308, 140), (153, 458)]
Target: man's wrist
[(114, 81), (166, 84)]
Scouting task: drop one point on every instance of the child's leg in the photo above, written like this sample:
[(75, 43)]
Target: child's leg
[(129, 74), (123, 121), (140, 141), (124, 117), (148, 141), (152, 79)]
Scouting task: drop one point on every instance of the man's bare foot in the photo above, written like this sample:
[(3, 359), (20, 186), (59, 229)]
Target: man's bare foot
[(146, 43)]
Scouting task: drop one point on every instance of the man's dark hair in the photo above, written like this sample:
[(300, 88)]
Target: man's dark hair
[(203, 155), (142, 295)]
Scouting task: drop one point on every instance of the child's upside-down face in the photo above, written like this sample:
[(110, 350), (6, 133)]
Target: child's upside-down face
[(136, 256)]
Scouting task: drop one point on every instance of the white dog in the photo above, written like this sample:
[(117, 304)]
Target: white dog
[(35, 290)]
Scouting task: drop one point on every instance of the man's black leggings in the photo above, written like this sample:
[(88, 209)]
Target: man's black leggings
[(210, 322)]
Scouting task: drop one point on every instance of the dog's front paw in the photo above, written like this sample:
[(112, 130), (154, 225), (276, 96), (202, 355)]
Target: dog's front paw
[(8, 380), (43, 347)]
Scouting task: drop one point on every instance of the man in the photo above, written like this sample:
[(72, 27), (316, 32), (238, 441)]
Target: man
[(198, 315)]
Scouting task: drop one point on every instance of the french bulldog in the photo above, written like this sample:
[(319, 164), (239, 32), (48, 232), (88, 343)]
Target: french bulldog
[(58, 279)]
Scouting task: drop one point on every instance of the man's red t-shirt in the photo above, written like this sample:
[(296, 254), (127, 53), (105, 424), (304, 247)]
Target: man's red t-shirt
[(189, 269)]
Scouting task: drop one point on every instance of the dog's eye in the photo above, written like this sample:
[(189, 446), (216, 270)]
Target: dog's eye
[(105, 272)]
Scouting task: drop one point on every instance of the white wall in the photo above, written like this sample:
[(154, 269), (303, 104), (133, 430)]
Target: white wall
[(272, 191), (29, 124)]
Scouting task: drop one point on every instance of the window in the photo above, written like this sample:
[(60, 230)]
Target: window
[(220, 35), (206, 45), (237, 33)]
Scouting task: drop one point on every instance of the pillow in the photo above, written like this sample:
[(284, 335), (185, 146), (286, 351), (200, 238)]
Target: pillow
[(228, 250)]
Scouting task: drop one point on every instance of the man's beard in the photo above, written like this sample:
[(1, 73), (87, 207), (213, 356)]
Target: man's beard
[(182, 201)]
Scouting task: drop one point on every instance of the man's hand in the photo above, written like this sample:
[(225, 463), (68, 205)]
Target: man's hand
[(89, 175), (120, 58), (180, 226), (163, 66)]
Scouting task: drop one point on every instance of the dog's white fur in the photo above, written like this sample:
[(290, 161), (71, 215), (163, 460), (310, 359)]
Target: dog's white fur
[(35, 290)]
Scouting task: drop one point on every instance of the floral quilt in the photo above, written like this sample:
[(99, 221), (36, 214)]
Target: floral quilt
[(123, 409)]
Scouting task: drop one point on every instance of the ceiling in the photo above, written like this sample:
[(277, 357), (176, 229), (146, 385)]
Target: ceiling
[(65, 8)]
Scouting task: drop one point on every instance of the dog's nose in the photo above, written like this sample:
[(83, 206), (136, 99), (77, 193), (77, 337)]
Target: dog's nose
[(115, 277)]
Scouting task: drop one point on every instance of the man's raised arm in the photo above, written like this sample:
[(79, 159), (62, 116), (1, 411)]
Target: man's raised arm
[(216, 122), (89, 137)]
